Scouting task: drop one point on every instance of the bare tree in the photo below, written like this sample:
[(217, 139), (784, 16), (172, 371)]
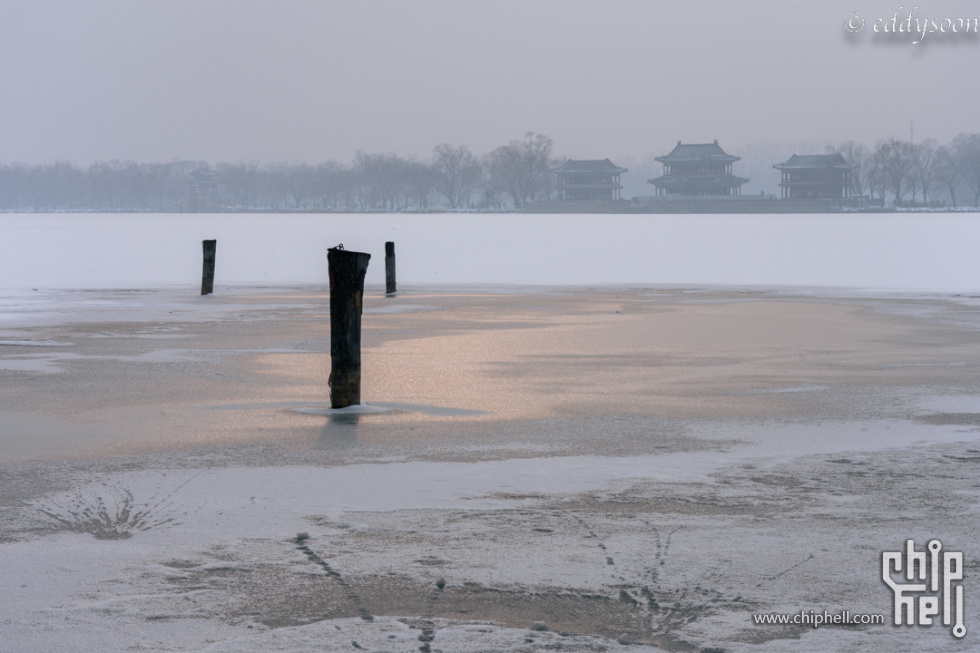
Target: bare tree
[(492, 188), (100, 176), (947, 173), (13, 181), (241, 181), (326, 184), (298, 182), (924, 168), (381, 179), (458, 173), (419, 180), (351, 189), (876, 177), (966, 153), (856, 154), (522, 166), (548, 184), (895, 159), (277, 185)]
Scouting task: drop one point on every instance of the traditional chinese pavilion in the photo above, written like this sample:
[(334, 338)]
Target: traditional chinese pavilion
[(816, 176), (204, 189), (588, 181), (698, 169)]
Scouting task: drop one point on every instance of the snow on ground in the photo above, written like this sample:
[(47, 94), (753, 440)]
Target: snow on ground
[(533, 468), (884, 251), (297, 558)]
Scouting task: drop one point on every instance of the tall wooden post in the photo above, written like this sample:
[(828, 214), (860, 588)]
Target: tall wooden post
[(390, 268), (207, 277), (347, 270)]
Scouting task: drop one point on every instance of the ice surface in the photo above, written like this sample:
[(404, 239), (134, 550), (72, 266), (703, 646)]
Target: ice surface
[(879, 251), (700, 439)]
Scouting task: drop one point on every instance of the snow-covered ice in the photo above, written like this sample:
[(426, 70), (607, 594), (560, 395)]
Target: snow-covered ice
[(672, 424), (904, 251)]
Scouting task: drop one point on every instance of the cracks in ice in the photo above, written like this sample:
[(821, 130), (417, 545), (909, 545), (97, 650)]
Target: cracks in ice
[(662, 622), (335, 575), (109, 511), (789, 569)]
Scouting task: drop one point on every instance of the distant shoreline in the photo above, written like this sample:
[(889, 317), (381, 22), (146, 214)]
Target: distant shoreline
[(778, 207)]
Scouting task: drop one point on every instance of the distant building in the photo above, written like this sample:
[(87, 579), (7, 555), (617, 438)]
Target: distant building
[(816, 176), (204, 190), (588, 181), (698, 169)]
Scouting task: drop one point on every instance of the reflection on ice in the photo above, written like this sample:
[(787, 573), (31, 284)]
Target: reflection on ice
[(340, 413), (340, 431), (429, 410)]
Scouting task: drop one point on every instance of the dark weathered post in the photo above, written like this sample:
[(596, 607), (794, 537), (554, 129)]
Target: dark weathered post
[(347, 270), (207, 277), (390, 268)]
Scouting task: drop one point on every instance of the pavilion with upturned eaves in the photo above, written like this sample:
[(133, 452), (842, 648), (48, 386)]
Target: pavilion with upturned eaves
[(588, 181), (816, 176), (203, 184), (700, 169)]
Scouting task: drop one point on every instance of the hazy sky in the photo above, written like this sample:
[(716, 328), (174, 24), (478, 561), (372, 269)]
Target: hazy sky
[(312, 80)]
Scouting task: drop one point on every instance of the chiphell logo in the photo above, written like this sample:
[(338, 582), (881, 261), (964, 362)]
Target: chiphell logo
[(928, 576)]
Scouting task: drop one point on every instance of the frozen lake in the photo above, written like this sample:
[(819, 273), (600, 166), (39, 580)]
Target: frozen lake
[(728, 416), (919, 252), (655, 463)]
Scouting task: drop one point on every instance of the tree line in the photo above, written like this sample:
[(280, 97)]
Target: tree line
[(453, 178), (904, 173), (893, 171)]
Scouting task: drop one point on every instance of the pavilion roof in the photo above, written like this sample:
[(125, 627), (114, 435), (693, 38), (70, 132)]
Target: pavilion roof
[(695, 152), (801, 161), (204, 174), (589, 166)]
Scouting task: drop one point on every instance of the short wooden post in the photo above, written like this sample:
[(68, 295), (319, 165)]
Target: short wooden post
[(207, 277), (390, 268), (347, 270)]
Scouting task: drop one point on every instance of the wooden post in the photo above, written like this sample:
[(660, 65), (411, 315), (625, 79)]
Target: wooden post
[(390, 268), (347, 270), (207, 277)]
